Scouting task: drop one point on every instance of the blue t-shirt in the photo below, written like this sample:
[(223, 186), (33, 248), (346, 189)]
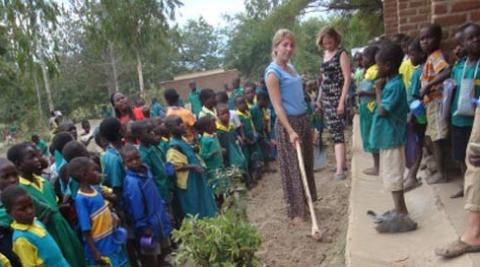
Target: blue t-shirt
[(95, 216), (291, 89), (413, 91)]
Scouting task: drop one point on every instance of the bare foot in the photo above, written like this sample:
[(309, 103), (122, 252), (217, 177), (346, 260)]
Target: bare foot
[(458, 194), (298, 221), (371, 171), (437, 178), (410, 184)]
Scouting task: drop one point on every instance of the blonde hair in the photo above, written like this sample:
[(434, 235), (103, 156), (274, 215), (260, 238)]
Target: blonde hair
[(328, 31), (279, 36)]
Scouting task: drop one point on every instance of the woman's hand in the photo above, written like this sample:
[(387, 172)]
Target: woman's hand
[(341, 107), (293, 136)]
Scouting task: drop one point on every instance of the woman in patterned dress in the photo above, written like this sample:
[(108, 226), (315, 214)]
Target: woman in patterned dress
[(335, 71), (285, 88)]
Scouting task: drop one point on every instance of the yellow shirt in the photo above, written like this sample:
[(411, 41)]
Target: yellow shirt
[(26, 251), (406, 70), (371, 73)]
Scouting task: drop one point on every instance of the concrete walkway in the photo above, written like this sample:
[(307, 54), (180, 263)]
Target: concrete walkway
[(440, 221)]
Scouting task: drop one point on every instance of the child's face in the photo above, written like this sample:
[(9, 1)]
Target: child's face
[(262, 102), (211, 126), (8, 175), (241, 104), (383, 68), (132, 160), (120, 101), (92, 173), (86, 126), (211, 102), (472, 40), (22, 210), (30, 162), (179, 128), (416, 56), (249, 94), (428, 40), (148, 135), (223, 115), (458, 50), (368, 61)]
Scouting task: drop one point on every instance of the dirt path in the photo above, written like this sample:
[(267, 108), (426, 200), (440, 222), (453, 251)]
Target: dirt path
[(288, 245)]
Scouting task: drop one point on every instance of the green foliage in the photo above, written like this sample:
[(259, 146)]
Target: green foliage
[(222, 241), (228, 183)]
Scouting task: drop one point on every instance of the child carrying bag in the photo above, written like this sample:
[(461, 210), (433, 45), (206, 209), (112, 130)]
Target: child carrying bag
[(467, 92)]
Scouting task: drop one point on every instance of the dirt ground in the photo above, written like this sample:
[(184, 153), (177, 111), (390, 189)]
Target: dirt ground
[(288, 245)]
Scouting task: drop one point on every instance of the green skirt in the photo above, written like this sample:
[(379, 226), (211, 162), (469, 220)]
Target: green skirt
[(366, 117)]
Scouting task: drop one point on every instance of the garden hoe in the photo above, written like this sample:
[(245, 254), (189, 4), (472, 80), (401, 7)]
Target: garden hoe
[(316, 234)]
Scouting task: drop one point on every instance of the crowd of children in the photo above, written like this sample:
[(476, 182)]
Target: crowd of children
[(411, 99), (66, 205)]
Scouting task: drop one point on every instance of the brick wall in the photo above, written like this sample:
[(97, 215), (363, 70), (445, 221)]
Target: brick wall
[(214, 81), (409, 16)]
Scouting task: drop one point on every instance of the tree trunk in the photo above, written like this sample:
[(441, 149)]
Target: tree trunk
[(114, 65), (140, 74), (37, 90), (47, 87)]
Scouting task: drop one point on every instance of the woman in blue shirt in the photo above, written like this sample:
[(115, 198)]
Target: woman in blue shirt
[(292, 125)]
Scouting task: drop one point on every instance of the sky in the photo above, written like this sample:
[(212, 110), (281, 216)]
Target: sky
[(211, 10)]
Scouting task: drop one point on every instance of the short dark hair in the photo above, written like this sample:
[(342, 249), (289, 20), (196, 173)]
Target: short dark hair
[(10, 194), (172, 121), (206, 94), (59, 141), (435, 29), (110, 129), (222, 97), (202, 123), (415, 45), (370, 52), (137, 127), (74, 149), (263, 95), (78, 167), (127, 149), (391, 54), (171, 96), (16, 152)]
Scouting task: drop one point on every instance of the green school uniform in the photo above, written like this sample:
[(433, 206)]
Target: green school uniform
[(389, 131), (113, 168), (5, 219), (258, 120), (43, 147), (251, 151), (197, 198), (367, 107), (45, 202), (163, 146), (194, 99), (211, 154), (152, 156), (457, 71), (227, 136)]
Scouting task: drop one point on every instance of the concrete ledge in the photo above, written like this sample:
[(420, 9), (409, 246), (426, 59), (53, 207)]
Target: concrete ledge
[(365, 247)]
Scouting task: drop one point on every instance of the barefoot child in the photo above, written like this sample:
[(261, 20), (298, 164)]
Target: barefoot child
[(147, 209), (32, 243), (366, 94), (96, 220), (192, 190), (466, 75), (388, 131), (435, 71), (47, 210), (417, 57), (8, 177)]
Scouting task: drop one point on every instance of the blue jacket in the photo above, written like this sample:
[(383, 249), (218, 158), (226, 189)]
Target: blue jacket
[(144, 204)]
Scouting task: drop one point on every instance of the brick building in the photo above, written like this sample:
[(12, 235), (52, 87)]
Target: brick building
[(409, 16), (214, 79)]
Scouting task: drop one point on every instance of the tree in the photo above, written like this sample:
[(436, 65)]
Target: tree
[(133, 23), (199, 46)]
